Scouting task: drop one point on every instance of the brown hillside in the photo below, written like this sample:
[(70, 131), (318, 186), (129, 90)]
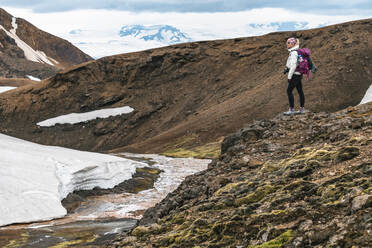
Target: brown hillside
[(13, 62), (16, 82), (190, 94)]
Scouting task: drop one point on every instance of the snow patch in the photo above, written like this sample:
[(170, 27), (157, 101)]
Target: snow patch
[(33, 78), (35, 178), (368, 96), (74, 118), (14, 25), (30, 53), (6, 88)]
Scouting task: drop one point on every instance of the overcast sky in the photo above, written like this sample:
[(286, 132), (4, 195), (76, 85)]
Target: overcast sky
[(100, 20), (314, 6)]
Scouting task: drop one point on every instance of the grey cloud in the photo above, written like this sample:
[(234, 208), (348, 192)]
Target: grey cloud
[(318, 6)]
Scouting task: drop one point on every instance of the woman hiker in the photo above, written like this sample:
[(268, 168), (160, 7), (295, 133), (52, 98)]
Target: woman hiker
[(294, 77)]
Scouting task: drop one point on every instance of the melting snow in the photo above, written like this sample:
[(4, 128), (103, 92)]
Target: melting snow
[(127, 205), (33, 78), (368, 96), (6, 88), (82, 117), (30, 53), (175, 171), (35, 178)]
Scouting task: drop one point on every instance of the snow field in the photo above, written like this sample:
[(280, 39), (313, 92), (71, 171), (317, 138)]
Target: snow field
[(35, 178), (33, 78), (6, 88), (74, 118)]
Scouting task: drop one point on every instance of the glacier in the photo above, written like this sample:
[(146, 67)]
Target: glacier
[(35, 178), (74, 118)]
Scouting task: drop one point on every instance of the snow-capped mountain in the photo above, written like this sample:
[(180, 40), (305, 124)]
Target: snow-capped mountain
[(137, 37), (161, 33)]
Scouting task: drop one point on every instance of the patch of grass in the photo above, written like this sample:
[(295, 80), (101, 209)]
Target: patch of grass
[(77, 238), (18, 242), (207, 151), (148, 170)]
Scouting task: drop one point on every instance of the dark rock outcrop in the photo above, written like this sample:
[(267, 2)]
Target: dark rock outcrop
[(305, 181)]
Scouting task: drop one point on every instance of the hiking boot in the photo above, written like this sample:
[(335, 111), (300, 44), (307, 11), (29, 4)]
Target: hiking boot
[(289, 112), (301, 111)]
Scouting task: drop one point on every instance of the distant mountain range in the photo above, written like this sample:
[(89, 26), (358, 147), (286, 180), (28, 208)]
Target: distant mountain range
[(283, 26), (161, 33), (133, 38)]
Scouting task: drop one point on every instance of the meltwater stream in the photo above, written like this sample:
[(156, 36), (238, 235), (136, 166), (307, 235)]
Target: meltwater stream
[(99, 218)]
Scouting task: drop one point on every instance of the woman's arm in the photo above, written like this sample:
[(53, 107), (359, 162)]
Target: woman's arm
[(292, 65)]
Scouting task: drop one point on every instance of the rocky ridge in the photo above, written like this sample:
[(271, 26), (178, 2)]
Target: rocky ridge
[(189, 95), (298, 181)]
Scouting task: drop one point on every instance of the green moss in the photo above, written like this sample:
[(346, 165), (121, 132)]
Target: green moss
[(347, 153), (278, 242), (210, 150), (78, 238), (18, 242), (308, 156), (270, 167), (331, 193), (256, 196), (148, 170), (231, 187), (294, 185), (178, 219), (140, 231)]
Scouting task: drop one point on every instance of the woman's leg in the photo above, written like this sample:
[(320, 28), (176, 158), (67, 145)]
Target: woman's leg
[(300, 92), (291, 86)]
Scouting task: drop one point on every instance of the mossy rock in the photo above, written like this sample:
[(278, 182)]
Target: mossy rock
[(232, 187), (278, 242), (270, 167), (140, 231), (347, 153), (256, 196), (308, 156)]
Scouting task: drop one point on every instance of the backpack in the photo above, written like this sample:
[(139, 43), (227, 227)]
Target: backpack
[(305, 64)]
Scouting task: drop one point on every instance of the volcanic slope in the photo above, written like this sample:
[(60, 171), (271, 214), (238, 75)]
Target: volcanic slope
[(191, 94), (298, 181), (27, 50)]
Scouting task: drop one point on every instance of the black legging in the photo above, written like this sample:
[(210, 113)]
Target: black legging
[(295, 82)]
